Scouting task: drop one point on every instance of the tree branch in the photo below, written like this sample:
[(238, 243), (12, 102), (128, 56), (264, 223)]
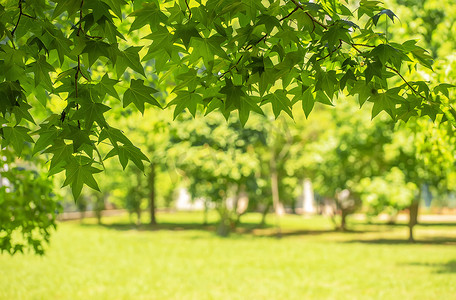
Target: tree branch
[(18, 19), (331, 52), (406, 82), (287, 16), (189, 10)]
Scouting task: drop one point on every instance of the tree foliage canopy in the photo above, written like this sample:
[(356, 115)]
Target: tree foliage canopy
[(66, 63)]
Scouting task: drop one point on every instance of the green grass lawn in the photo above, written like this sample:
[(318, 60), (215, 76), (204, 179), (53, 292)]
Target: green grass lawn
[(184, 260)]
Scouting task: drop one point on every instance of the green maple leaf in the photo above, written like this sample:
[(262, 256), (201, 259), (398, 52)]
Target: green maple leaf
[(363, 90), (114, 135), (269, 21), (373, 69), (41, 69), (334, 35), (129, 58), (323, 98), (428, 110), (386, 53), (17, 136), (138, 94), (149, 14), (96, 49), (110, 31), (327, 82), (54, 39), (279, 102), (162, 39), (423, 57), (253, 7), (185, 99), (106, 86), (186, 32), (207, 48), (61, 154), (99, 9), (387, 12), (233, 94), (246, 106), (386, 101), (9, 92), (116, 6), (47, 135), (443, 88), (188, 80), (128, 152), (79, 137), (91, 112), (21, 111), (308, 101), (70, 6), (77, 175)]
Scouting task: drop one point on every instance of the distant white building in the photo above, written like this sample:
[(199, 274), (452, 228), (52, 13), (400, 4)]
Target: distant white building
[(306, 201), (184, 201)]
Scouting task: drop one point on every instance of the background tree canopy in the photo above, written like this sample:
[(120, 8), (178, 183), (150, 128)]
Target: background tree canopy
[(64, 68)]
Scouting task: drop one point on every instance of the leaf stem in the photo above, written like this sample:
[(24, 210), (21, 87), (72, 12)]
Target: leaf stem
[(189, 10), (287, 16), (406, 82), (331, 52)]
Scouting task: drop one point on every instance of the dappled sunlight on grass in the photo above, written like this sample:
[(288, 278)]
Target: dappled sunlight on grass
[(183, 259)]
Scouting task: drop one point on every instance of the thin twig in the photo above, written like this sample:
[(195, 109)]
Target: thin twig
[(242, 55), (287, 16), (331, 52), (232, 67), (80, 18), (257, 42), (405, 81), (363, 45), (189, 10), (18, 19), (78, 70), (316, 21)]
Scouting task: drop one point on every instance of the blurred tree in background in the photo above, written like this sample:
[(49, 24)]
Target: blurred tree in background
[(76, 73)]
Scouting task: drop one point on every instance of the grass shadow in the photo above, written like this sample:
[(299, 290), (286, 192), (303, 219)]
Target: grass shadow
[(404, 223), (440, 268), (405, 241), (272, 232), (244, 227)]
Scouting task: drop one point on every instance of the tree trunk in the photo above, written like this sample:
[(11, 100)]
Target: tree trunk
[(343, 220), (264, 214), (224, 227), (98, 213), (153, 220), (413, 218), (138, 221)]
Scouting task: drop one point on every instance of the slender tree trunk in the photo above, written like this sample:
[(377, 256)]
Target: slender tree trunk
[(413, 218), (138, 221), (98, 213), (153, 220), (223, 228), (343, 220), (275, 192), (265, 213)]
